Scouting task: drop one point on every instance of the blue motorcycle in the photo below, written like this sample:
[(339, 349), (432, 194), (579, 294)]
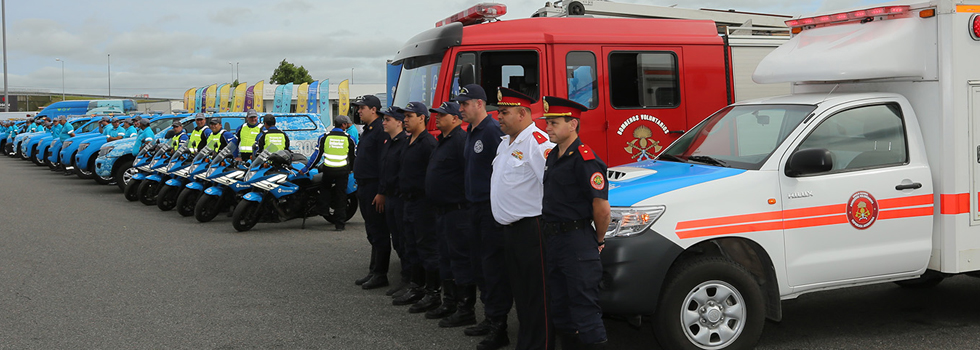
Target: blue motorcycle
[(142, 165), (149, 184), (279, 191), (179, 170), (228, 187), (198, 182)]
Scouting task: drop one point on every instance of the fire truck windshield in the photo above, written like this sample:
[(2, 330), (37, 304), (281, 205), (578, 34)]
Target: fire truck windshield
[(740, 137), (417, 84)]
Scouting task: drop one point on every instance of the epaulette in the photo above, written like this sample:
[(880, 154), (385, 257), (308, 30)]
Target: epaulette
[(586, 152), (540, 138)]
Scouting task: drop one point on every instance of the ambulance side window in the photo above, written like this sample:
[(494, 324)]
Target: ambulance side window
[(862, 138), (643, 80), (581, 77)]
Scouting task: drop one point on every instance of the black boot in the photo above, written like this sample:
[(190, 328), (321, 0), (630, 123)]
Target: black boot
[(361, 280), (481, 329), (448, 306), (497, 338), (417, 292), (464, 316), (400, 286), (433, 297), (376, 281)]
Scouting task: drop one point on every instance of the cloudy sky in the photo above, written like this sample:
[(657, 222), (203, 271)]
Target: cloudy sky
[(163, 48)]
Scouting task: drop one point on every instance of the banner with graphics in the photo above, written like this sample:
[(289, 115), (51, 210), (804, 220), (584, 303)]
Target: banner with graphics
[(391, 82), (277, 100), (259, 96), (210, 97), (199, 97), (238, 103), (287, 98), (324, 102), (343, 97), (189, 100), (311, 105), (302, 95), (224, 94)]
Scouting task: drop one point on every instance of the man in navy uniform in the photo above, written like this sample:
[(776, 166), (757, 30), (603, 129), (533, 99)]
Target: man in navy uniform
[(575, 196), (388, 200), (367, 167), (515, 197)]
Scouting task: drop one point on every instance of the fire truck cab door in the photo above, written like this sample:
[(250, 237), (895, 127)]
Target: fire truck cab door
[(871, 215)]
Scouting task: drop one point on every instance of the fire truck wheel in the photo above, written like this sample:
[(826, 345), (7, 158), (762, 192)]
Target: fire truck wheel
[(710, 303)]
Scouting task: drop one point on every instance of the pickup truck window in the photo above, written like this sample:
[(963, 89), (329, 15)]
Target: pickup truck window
[(643, 80), (742, 137), (582, 87), (861, 138)]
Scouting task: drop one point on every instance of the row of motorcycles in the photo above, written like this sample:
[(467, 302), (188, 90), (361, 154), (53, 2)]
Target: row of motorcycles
[(266, 189)]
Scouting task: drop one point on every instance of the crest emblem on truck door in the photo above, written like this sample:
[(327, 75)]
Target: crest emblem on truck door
[(643, 146), (862, 210)]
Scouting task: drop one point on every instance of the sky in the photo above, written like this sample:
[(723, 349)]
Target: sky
[(163, 48)]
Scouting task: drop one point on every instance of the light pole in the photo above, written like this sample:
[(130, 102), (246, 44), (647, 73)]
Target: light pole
[(352, 75), (62, 77), (236, 71), (3, 18), (108, 70), (232, 71)]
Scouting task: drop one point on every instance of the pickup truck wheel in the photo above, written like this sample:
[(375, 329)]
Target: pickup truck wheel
[(246, 215), (167, 198), (124, 173), (710, 303), (131, 192), (186, 201), (84, 174), (148, 192), (34, 156)]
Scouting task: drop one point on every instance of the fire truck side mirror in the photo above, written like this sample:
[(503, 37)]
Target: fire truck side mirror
[(809, 161)]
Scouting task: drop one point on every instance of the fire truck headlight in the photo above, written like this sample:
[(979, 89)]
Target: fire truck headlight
[(633, 221)]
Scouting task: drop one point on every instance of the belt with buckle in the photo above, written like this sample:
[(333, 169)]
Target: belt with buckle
[(557, 228)]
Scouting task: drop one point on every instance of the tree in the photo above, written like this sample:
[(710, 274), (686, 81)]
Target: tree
[(234, 84), (288, 73)]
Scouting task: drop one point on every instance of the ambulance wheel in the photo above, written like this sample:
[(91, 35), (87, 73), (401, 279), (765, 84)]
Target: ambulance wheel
[(148, 192), (927, 280), (167, 198), (710, 303), (207, 207), (131, 192), (124, 173), (84, 174), (351, 205), (246, 216), (186, 201)]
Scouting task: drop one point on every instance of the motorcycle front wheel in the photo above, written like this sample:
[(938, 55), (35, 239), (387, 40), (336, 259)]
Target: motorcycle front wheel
[(207, 207), (246, 215), (132, 190), (167, 198), (187, 201), (148, 192)]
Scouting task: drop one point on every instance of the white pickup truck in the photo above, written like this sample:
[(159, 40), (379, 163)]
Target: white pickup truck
[(868, 173)]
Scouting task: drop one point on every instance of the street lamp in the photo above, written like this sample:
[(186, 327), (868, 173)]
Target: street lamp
[(62, 77), (236, 71), (232, 70)]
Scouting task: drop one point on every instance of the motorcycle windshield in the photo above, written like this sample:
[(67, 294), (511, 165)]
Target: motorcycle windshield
[(162, 156), (258, 164), (202, 160), (180, 158)]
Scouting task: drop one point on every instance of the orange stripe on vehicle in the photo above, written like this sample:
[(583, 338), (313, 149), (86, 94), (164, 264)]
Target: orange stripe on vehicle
[(814, 222), (968, 8), (730, 220), (726, 230), (905, 213), (814, 211), (912, 201), (952, 204)]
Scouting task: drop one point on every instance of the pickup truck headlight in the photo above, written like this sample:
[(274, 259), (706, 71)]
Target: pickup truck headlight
[(83, 146), (105, 150), (633, 221)]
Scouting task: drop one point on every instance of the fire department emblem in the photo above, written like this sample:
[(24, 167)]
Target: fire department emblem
[(862, 210), (643, 146), (598, 182), (478, 146)]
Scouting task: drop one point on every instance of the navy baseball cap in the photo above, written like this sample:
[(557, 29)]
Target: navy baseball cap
[(368, 100), (105, 119), (175, 124), (114, 120), (394, 112), (417, 108), (215, 121), (448, 107), (471, 92)]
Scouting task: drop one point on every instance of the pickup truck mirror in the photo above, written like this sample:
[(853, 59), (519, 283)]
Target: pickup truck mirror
[(809, 161)]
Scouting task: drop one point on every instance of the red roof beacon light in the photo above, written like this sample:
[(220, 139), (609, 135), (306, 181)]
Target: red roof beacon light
[(887, 12), (477, 14)]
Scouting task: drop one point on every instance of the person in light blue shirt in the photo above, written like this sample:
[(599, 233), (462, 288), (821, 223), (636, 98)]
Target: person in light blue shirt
[(130, 128), (352, 132), (108, 128), (67, 130), (144, 136), (56, 127)]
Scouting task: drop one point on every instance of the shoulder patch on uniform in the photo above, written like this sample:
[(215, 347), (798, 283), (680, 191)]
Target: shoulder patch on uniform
[(586, 152), (598, 181), (539, 137)]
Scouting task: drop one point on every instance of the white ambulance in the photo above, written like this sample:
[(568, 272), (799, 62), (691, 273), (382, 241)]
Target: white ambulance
[(868, 173)]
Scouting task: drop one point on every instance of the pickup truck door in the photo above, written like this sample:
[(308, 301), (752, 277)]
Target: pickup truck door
[(870, 216)]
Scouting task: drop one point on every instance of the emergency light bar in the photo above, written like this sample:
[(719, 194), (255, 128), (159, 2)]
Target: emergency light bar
[(477, 14), (859, 15)]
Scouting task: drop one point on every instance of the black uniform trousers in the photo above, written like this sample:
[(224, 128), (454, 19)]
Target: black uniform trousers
[(525, 253), (574, 271), (488, 249), (333, 195), (395, 218), (420, 225), (375, 225), (455, 237)]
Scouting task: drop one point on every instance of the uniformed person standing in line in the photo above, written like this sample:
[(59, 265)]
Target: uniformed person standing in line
[(271, 138), (420, 220), (219, 137), (201, 133), (112, 131), (247, 134), (179, 135), (444, 187), (486, 247), (575, 196), (516, 191), (131, 128), (335, 155), (144, 136), (366, 172), (388, 200)]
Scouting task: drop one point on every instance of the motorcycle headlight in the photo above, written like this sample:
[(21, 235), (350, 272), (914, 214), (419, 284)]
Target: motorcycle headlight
[(82, 147), (633, 221)]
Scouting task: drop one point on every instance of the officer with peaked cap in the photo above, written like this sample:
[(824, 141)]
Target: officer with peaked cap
[(515, 198), (575, 196)]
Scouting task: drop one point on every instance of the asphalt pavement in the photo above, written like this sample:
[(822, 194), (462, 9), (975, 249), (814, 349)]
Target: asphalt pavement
[(82, 268)]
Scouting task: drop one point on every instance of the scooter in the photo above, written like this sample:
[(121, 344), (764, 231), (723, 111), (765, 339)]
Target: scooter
[(279, 191)]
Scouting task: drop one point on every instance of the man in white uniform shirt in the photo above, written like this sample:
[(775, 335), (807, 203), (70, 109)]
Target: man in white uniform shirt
[(516, 194)]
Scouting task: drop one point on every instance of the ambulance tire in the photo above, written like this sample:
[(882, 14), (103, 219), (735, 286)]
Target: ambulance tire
[(187, 201), (132, 191), (705, 295), (246, 215), (925, 281), (148, 191), (167, 198)]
